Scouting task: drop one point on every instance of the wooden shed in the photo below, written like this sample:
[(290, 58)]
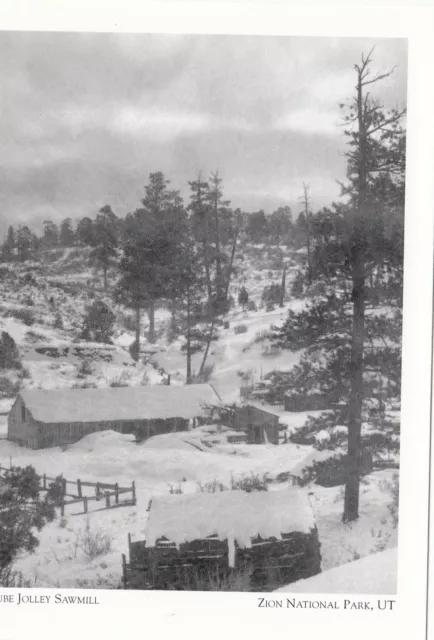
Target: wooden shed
[(41, 419), (260, 423), (192, 538)]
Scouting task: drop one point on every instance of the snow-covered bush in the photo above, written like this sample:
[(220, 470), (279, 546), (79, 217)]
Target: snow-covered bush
[(240, 328)]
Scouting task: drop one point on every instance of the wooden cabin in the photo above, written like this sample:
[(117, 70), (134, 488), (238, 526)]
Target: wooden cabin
[(195, 539), (40, 419), (261, 424)]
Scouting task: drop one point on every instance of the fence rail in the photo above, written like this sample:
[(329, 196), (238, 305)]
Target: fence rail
[(104, 491)]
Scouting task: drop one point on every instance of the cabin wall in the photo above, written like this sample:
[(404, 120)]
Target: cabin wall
[(261, 425), (22, 428), (43, 435)]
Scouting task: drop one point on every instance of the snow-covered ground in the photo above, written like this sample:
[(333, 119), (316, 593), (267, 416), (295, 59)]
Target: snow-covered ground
[(172, 462), (376, 574), (166, 462)]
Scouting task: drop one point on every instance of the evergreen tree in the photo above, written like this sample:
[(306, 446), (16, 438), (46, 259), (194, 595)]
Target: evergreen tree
[(98, 323), (105, 241), (22, 513), (50, 238), (8, 248), (280, 224), (66, 235), (153, 235), (200, 213), (85, 232), (257, 227), (24, 242)]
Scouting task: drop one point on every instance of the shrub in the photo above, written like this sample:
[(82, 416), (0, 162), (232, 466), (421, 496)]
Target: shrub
[(239, 580), (240, 328), (252, 306), (58, 321), (28, 301), (95, 543), (252, 482), (298, 285), (8, 388), (98, 323), (85, 369), (271, 294), (25, 315), (121, 380), (9, 354), (34, 336), (243, 297), (129, 322)]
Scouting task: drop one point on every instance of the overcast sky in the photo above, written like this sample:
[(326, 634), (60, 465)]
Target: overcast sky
[(86, 117)]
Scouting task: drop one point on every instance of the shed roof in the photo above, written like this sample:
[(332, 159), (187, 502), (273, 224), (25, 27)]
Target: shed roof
[(235, 516), (151, 402)]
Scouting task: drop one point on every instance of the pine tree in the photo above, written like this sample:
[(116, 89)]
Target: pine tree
[(376, 153), (152, 238), (106, 241), (85, 232), (200, 212), (50, 238), (22, 513), (8, 248), (24, 242), (66, 235)]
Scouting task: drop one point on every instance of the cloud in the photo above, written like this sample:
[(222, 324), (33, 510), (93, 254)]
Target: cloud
[(310, 121), (86, 117)]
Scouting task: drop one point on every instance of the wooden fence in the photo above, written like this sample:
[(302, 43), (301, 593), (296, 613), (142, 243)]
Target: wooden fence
[(105, 492)]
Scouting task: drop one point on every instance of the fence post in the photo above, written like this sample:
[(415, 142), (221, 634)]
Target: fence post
[(97, 490), (64, 486), (85, 504), (107, 500), (117, 493), (129, 546), (44, 481), (133, 489), (62, 507), (79, 493), (124, 570)]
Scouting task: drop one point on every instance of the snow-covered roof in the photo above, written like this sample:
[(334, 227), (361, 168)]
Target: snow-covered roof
[(235, 516), (376, 574), (150, 402)]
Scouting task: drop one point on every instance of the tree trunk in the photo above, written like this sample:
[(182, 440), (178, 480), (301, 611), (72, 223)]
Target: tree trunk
[(231, 264), (218, 260), (208, 344), (188, 350), (105, 279), (151, 314), (137, 350), (283, 287), (352, 488)]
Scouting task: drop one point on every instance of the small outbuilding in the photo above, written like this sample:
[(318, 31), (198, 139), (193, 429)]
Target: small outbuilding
[(260, 423), (40, 419), (270, 536)]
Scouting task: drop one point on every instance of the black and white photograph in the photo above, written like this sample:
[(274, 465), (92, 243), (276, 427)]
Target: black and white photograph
[(201, 310)]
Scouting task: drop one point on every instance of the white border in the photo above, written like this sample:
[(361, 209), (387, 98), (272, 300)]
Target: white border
[(190, 615)]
